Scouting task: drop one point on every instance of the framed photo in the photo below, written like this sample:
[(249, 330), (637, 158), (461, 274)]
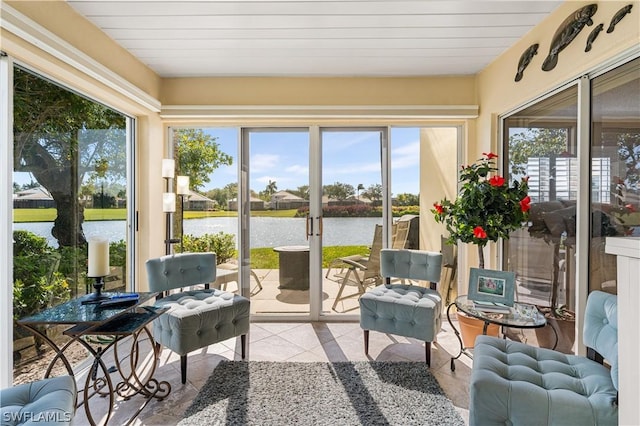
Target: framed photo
[(486, 285)]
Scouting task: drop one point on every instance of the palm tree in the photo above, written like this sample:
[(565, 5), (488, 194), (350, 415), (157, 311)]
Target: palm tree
[(359, 188), (271, 187)]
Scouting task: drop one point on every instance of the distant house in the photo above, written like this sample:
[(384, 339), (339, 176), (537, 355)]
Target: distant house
[(33, 198), (283, 200), (198, 202), (349, 201), (256, 204)]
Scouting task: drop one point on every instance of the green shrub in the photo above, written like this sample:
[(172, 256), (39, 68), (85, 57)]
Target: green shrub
[(37, 283), (27, 243), (223, 245), (399, 211), (118, 253)]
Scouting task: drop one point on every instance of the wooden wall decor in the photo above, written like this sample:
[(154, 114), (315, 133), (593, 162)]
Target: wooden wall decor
[(566, 32), (618, 17), (592, 36), (525, 60)]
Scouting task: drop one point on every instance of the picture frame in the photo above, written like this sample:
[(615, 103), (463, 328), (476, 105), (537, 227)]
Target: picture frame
[(486, 285)]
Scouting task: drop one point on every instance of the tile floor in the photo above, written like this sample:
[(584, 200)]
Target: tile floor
[(301, 342)]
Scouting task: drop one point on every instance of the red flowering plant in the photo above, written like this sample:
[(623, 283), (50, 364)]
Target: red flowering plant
[(486, 208)]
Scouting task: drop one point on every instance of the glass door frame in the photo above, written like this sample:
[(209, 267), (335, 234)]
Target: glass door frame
[(244, 212), (315, 210)]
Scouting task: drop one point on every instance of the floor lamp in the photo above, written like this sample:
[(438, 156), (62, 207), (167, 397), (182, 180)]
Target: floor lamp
[(168, 201), (182, 188)]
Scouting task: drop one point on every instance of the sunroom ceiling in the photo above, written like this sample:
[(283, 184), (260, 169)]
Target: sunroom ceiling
[(315, 37)]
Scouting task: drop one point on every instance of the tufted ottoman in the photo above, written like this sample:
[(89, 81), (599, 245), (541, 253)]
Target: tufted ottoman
[(49, 401), (518, 384), (196, 318), (404, 310)]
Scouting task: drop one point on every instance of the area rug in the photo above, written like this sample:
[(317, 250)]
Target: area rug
[(321, 393)]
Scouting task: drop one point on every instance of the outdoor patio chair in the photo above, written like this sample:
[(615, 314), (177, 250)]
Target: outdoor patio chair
[(357, 270), (449, 269), (196, 318), (228, 272)]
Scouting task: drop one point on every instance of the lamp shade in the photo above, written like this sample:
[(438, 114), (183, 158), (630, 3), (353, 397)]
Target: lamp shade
[(183, 185), (168, 202), (168, 167), (98, 262)]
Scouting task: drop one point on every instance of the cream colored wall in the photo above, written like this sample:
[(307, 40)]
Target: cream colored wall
[(151, 220), (499, 93), (319, 91), (438, 177)]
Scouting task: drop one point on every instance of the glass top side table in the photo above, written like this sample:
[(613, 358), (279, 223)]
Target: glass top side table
[(135, 365), (521, 315)]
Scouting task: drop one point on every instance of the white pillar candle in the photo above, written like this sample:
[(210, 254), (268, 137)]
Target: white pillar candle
[(98, 257), (168, 202), (168, 167), (183, 185)]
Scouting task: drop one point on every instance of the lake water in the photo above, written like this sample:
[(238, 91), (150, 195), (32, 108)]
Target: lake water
[(265, 231)]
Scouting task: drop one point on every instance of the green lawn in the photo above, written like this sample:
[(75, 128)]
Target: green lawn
[(266, 258), (49, 215)]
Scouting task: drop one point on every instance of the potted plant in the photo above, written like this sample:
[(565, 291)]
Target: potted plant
[(486, 209)]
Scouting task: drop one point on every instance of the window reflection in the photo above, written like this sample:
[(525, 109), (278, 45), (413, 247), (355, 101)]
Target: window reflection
[(70, 183), (615, 179)]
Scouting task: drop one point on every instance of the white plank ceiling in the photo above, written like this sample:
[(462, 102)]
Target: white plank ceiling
[(315, 37)]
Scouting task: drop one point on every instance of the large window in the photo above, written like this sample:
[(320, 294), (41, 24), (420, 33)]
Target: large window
[(70, 184), (541, 143), (615, 175)]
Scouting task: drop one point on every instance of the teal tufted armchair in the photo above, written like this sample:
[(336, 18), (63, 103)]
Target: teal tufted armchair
[(515, 383), (405, 310), (196, 318)]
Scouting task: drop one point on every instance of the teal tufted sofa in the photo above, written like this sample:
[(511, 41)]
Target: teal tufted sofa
[(405, 310), (49, 401), (517, 384), (196, 318)]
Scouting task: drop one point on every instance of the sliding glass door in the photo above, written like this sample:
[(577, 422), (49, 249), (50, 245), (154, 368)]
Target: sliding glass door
[(354, 200), (275, 211)]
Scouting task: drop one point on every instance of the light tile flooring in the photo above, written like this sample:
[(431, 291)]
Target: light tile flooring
[(300, 342)]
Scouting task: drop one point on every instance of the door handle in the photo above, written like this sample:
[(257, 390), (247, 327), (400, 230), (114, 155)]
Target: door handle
[(319, 226), (309, 227)]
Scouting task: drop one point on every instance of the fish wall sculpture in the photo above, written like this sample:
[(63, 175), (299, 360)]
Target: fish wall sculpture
[(592, 36), (525, 60), (566, 32), (618, 17)]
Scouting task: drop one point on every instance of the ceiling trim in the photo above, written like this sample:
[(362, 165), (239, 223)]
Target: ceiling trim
[(320, 111), (33, 33)]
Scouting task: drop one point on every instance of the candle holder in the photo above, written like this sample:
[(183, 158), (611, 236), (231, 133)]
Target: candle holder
[(97, 295), (98, 267)]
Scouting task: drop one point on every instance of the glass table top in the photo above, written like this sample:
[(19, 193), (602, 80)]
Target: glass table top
[(521, 315), (75, 312)]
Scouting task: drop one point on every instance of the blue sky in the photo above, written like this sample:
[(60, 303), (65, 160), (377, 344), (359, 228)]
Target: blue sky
[(348, 157)]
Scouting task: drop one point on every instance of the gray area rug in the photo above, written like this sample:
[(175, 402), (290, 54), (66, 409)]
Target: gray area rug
[(321, 393)]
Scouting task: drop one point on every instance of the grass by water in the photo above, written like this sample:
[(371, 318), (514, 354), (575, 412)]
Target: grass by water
[(266, 258), (49, 215)]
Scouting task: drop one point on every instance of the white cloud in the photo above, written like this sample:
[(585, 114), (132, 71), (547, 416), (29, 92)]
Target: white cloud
[(298, 170), (264, 162), (406, 156)]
